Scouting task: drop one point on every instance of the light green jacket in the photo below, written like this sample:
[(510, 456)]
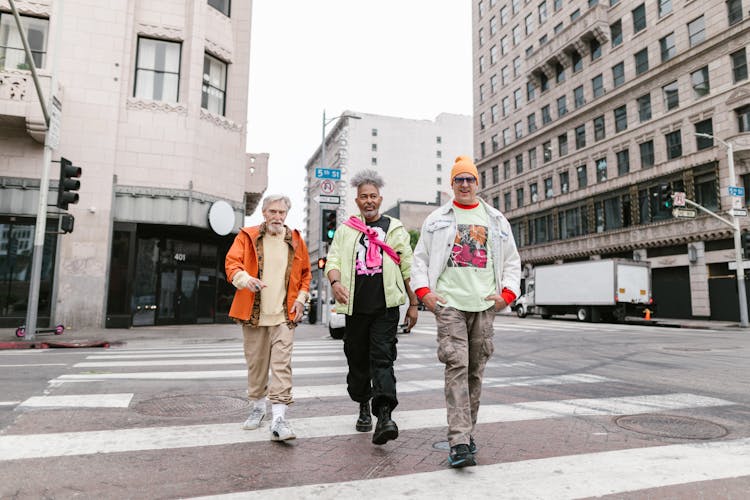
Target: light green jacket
[(342, 256)]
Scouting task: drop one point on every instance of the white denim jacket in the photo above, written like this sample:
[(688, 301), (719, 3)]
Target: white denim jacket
[(436, 240)]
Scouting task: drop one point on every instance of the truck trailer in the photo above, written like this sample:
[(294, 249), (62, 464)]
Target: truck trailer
[(593, 290)]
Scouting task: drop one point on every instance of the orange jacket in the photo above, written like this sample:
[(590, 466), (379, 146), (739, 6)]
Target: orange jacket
[(244, 255)]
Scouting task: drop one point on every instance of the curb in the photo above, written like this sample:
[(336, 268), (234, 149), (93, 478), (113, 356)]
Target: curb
[(21, 344)]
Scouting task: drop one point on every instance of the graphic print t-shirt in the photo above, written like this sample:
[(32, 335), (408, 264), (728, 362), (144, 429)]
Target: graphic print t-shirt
[(469, 276), (369, 295)]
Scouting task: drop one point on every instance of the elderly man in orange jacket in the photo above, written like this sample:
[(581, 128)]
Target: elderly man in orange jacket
[(270, 267)]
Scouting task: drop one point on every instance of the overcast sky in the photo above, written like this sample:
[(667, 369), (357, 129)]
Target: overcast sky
[(405, 58)]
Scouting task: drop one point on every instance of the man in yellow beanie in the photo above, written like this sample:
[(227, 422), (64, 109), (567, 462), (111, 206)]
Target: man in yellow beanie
[(466, 267)]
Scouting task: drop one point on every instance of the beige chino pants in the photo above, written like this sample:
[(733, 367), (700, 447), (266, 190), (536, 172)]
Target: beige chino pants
[(269, 347)]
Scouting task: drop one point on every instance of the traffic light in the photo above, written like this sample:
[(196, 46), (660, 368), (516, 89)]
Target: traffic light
[(746, 244), (68, 184), (66, 223), (322, 263), (328, 225), (665, 196)]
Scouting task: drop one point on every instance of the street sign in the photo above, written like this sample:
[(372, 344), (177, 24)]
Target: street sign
[(327, 173), (736, 191), (684, 213), (52, 140), (327, 186), (679, 198), (329, 200), (738, 212)]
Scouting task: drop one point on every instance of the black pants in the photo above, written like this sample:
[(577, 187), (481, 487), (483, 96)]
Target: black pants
[(370, 348)]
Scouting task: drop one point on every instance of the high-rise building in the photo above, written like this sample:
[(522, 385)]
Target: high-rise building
[(153, 100), (583, 109), (414, 157)]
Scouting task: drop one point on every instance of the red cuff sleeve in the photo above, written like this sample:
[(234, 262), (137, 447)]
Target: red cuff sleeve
[(508, 295), (421, 292)]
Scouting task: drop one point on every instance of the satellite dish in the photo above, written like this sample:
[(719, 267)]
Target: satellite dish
[(221, 217)]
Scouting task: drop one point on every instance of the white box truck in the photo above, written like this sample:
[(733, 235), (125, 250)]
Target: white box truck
[(593, 290)]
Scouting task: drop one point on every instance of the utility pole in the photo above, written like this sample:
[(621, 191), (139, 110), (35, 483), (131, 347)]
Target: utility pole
[(52, 119)]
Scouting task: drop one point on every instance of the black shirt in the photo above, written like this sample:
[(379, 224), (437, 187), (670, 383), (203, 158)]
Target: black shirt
[(369, 295)]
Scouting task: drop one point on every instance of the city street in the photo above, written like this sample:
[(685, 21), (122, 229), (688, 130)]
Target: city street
[(569, 410)]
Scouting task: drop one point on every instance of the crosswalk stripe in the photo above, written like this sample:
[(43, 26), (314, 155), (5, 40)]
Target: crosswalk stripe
[(79, 401), (14, 447), (555, 478)]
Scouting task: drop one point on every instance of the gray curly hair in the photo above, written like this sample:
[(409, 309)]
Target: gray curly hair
[(367, 176), (271, 198)]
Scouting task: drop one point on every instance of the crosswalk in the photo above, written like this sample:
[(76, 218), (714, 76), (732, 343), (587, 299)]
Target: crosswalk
[(520, 398)]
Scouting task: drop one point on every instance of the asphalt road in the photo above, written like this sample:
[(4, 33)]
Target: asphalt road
[(569, 410)]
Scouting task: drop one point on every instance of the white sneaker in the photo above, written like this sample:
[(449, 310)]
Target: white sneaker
[(281, 430), (256, 417)]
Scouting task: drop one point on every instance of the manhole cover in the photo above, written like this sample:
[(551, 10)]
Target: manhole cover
[(441, 445), (194, 405), (671, 426)]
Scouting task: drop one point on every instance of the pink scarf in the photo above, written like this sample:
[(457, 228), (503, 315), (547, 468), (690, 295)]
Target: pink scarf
[(373, 258)]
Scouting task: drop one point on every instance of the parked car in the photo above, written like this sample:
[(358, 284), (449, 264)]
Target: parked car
[(337, 322)]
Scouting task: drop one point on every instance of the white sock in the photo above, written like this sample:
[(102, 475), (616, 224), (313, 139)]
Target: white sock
[(260, 403), (279, 410)]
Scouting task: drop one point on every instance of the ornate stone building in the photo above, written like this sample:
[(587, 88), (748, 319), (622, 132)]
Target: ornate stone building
[(584, 108)]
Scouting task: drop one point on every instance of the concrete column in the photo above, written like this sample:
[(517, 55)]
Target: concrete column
[(698, 279)]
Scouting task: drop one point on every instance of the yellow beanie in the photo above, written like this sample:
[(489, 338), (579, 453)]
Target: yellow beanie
[(464, 165)]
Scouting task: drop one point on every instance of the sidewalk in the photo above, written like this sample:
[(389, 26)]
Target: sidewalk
[(187, 334)]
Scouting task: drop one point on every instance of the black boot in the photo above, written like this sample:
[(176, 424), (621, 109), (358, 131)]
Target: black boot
[(364, 422), (386, 429)]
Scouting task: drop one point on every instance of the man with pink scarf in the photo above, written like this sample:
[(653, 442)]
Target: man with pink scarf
[(368, 265)]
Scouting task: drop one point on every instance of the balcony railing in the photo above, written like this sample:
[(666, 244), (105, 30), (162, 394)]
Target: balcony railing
[(19, 103)]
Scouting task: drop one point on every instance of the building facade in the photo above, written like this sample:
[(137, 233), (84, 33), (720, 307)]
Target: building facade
[(414, 158), (584, 108), (154, 106)]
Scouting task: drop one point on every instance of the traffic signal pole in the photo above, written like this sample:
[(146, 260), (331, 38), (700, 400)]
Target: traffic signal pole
[(41, 214)]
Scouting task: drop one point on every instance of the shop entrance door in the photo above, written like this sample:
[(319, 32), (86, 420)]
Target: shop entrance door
[(178, 295)]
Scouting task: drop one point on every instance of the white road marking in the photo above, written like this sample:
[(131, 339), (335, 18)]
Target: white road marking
[(15, 447), (9, 403), (79, 401), (33, 364), (556, 478)]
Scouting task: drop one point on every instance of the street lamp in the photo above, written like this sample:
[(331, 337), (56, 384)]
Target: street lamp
[(737, 236), (325, 123)]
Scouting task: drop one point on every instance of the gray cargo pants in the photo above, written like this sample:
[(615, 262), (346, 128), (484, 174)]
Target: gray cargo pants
[(464, 346)]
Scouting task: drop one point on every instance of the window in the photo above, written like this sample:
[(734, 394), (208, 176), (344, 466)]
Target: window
[(516, 35), (494, 113), (438, 139), (542, 11), (481, 64), (493, 54), (214, 90), (548, 193), (504, 15), (529, 23), (481, 36), (580, 137), (578, 96), (517, 98), (601, 169), (496, 174), (674, 144), (701, 84), (623, 162), (704, 127), (506, 136), (706, 189), (739, 65), (505, 75), (618, 74), (668, 50), (615, 32), (374, 147), (507, 201), (519, 164), (438, 154), (577, 61), (374, 132), (564, 187), (493, 26), (644, 107), (639, 18), (595, 49), (743, 118), (558, 28), (494, 143), (482, 121), (157, 73), (531, 119), (546, 116), (599, 131), (562, 144), (597, 86), (518, 129), (543, 82), (516, 66), (439, 167), (542, 39), (671, 96), (697, 31), (558, 5), (481, 9), (506, 106), (529, 91), (220, 5), (439, 180), (665, 7), (647, 154), (575, 14), (734, 11), (481, 92), (482, 149), (559, 73), (641, 61), (504, 45), (493, 84), (12, 55), (547, 151), (621, 118), (519, 197), (582, 176), (532, 158), (516, 4), (562, 106), (373, 161)]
